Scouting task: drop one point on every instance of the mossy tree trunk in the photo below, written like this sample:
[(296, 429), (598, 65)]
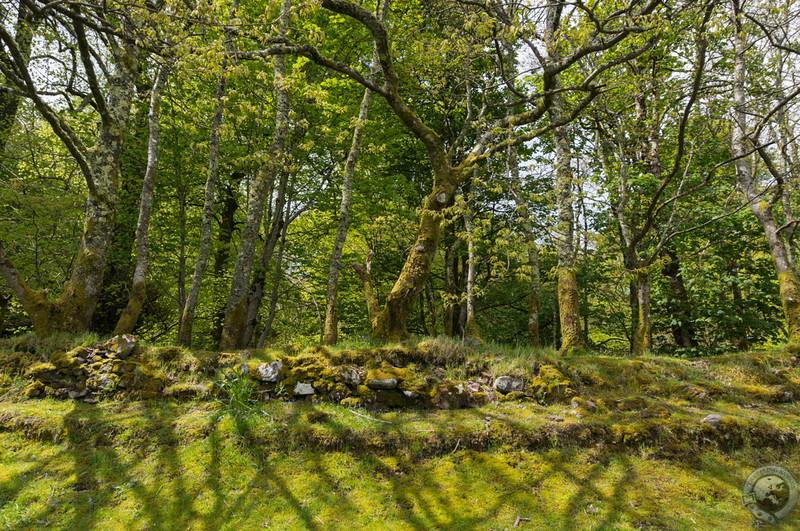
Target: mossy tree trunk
[(236, 309), (130, 314), (568, 300), (391, 323), (73, 310), (743, 149), (365, 274)]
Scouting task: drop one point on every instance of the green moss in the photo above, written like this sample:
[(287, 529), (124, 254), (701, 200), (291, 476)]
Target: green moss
[(350, 401), (386, 372), (550, 385), (513, 396)]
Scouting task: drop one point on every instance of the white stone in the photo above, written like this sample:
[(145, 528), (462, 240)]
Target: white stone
[(303, 389)]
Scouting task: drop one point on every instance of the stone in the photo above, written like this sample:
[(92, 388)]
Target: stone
[(451, 396), (349, 376), (554, 418), (712, 419), (270, 372), (77, 394), (303, 389), (384, 384), (121, 345), (508, 384)]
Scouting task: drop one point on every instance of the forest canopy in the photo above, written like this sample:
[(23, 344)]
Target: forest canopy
[(611, 175)]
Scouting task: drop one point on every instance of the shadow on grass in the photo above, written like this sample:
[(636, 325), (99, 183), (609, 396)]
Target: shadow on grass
[(137, 469)]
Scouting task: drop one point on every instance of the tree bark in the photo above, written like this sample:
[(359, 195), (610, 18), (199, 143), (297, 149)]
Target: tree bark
[(679, 306), (236, 310), (392, 321), (470, 324), (207, 220), (365, 274), (136, 299), (788, 280), (568, 299)]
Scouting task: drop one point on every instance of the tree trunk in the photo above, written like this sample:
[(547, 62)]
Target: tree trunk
[(392, 321), (451, 288), (207, 220), (330, 333), (73, 311), (568, 299), (643, 334), (533, 248), (236, 310), (788, 281), (470, 324), (276, 280), (365, 274), (679, 307), (138, 292), (276, 229)]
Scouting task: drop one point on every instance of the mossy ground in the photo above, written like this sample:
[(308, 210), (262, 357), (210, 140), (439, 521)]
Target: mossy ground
[(632, 454)]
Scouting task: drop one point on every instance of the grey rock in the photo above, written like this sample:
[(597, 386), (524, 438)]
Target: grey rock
[(303, 389), (270, 372), (122, 345), (350, 376), (712, 419), (385, 384), (508, 384), (412, 394)]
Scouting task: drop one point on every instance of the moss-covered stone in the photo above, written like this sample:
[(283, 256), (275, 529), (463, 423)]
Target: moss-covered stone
[(34, 390), (550, 385), (513, 396)]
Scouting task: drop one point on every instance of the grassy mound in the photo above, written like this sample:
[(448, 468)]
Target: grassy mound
[(592, 442)]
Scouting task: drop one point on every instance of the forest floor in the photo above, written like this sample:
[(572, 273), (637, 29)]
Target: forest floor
[(636, 450)]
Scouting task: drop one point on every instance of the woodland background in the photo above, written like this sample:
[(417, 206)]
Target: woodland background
[(615, 175)]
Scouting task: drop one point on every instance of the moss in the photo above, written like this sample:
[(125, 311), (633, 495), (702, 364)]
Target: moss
[(36, 370), (34, 390), (187, 391), (317, 416), (350, 401), (366, 393), (513, 396), (386, 371), (550, 385), (631, 404), (479, 398)]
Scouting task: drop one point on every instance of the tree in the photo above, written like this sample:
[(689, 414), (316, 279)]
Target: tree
[(111, 99)]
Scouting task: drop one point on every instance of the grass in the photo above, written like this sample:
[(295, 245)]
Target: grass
[(642, 460)]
